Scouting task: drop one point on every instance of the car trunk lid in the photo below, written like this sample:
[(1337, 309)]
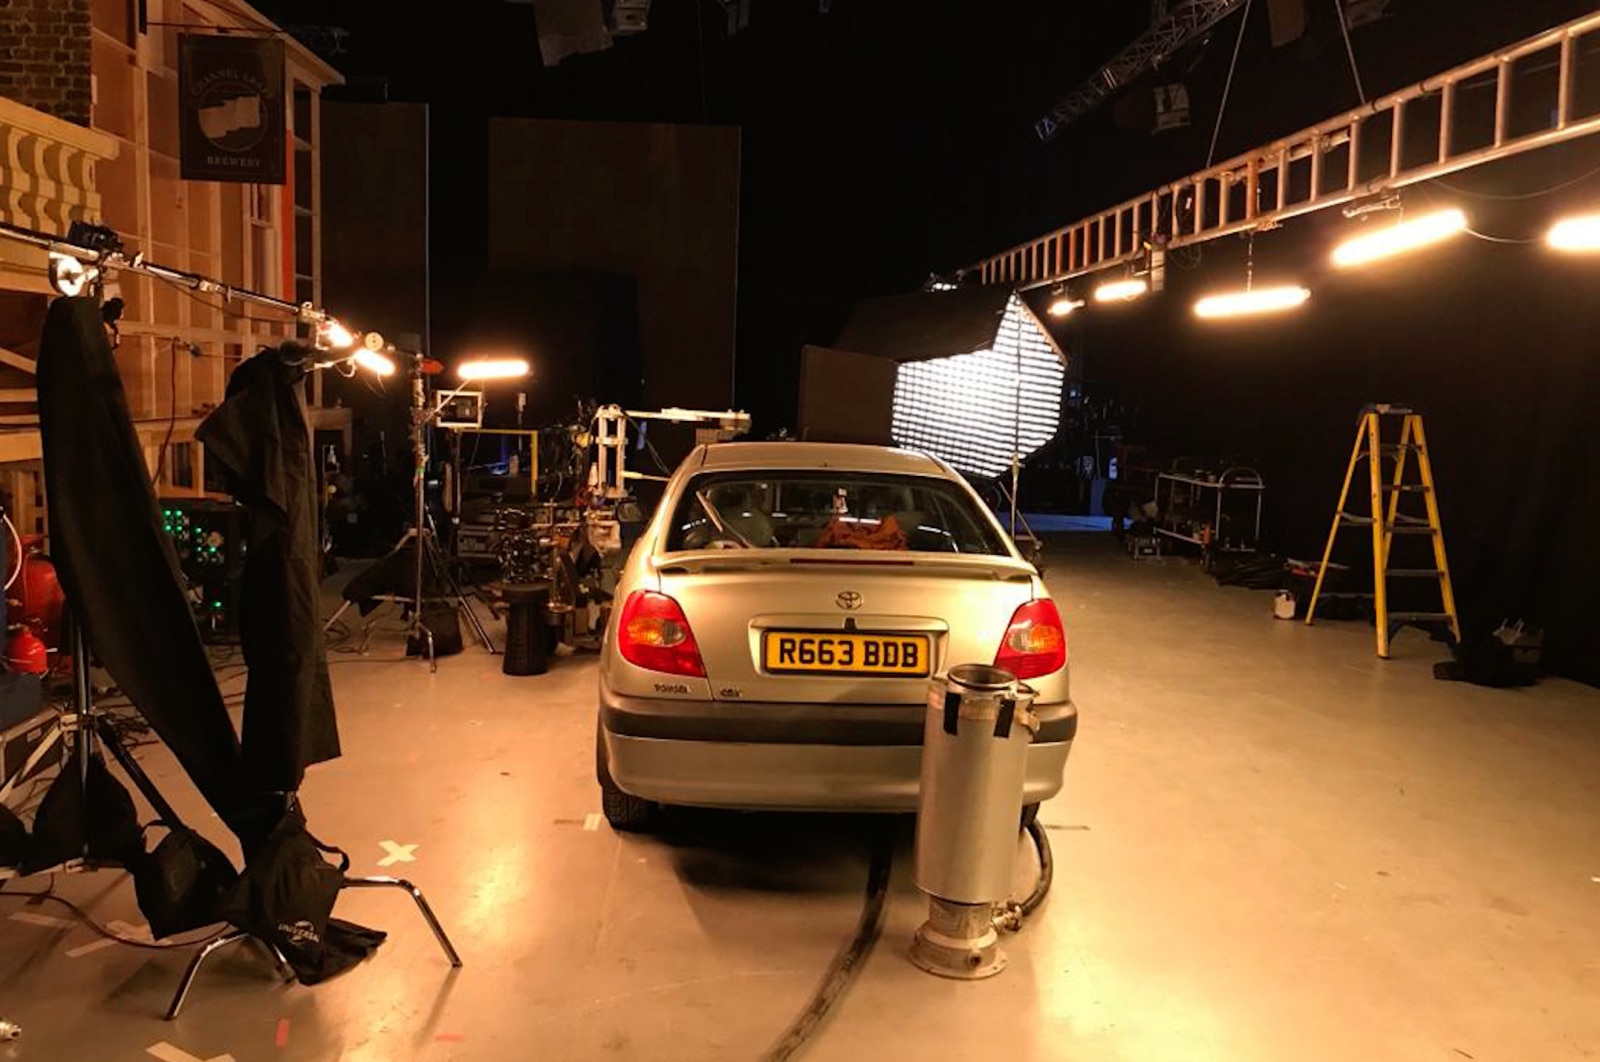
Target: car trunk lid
[(735, 600)]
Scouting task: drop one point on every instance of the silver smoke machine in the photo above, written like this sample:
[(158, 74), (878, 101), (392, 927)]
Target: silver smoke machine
[(974, 764)]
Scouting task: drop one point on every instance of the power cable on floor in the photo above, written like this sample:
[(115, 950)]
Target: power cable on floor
[(88, 920), (847, 964)]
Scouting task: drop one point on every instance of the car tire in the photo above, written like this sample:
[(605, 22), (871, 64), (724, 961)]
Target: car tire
[(626, 812), (623, 811)]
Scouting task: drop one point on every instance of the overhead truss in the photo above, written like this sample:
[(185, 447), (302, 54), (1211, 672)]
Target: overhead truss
[(1453, 121), (1181, 25)]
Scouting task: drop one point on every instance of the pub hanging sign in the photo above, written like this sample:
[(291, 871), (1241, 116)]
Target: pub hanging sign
[(230, 98)]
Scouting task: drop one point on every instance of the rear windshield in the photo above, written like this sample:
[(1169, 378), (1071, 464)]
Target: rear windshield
[(831, 510)]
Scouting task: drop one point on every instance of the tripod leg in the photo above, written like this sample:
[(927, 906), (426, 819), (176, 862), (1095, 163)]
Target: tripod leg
[(279, 963), (473, 620), (448, 578), (194, 968), (422, 905), (336, 616), (50, 743), (141, 781)]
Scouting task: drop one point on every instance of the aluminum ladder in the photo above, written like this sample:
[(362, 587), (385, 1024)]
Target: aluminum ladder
[(1386, 521)]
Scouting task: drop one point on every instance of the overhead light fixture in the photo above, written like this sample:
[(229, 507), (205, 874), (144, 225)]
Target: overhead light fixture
[(492, 369), (68, 276), (1252, 301), (1062, 305), (1400, 238), (1121, 290), (375, 362), (1575, 235)]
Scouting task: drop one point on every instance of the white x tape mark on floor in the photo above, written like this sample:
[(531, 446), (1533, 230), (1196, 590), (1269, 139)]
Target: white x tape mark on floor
[(167, 1053), (398, 853)]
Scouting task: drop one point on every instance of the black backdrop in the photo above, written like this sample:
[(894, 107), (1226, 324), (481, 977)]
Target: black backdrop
[(1497, 344)]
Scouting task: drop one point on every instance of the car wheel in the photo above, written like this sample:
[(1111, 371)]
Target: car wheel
[(623, 811), (626, 812)]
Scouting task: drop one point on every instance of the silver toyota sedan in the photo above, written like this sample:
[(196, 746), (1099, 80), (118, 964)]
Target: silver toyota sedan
[(778, 620)]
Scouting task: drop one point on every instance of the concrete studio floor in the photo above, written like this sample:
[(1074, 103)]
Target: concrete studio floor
[(1271, 846)]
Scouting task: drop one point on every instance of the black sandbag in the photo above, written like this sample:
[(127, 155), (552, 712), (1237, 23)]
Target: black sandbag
[(78, 818), (286, 896), (181, 884), (13, 839)]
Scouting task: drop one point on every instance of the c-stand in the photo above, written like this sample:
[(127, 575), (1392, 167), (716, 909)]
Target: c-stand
[(422, 536)]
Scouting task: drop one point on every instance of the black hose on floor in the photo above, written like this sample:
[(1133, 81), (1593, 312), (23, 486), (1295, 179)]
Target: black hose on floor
[(1047, 869), (848, 962)]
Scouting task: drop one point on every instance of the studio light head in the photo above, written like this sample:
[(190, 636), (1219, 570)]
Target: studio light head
[(97, 238), (68, 276), (331, 335)]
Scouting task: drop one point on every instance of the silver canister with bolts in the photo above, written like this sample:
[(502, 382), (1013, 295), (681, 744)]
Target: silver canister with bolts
[(974, 764)]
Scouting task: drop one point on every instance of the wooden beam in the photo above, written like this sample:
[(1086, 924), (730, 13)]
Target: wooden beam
[(19, 394), (17, 361), (20, 446)]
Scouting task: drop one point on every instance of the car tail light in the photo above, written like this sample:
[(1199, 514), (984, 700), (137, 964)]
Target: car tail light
[(1036, 643), (653, 633)]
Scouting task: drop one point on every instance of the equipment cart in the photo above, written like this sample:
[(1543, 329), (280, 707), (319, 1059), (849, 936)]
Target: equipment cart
[(1218, 511)]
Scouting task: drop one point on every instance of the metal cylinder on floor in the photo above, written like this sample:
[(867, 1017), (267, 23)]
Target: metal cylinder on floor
[(974, 765)]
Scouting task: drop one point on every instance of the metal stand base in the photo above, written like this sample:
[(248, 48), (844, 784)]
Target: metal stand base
[(958, 940), (380, 882), (415, 627), (235, 936), (282, 964)]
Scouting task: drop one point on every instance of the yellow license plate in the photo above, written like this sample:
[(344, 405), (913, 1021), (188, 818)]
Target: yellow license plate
[(804, 652)]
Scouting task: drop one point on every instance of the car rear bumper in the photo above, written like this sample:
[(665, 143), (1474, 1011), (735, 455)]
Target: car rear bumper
[(801, 757)]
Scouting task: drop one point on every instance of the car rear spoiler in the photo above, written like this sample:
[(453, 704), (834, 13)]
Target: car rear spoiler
[(1007, 569)]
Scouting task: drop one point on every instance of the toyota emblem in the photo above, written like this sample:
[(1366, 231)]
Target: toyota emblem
[(849, 600)]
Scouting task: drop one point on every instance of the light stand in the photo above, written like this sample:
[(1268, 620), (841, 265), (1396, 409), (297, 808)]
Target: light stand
[(422, 535), (74, 737), (86, 725)]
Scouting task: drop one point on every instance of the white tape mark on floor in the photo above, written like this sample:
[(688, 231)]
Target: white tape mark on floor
[(49, 921), (167, 1053), (89, 948), (128, 930), (591, 821), (398, 853)]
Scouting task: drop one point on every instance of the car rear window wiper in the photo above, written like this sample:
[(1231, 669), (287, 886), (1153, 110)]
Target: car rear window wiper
[(719, 523)]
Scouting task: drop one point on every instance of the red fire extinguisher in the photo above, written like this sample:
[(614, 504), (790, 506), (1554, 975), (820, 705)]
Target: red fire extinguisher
[(26, 652)]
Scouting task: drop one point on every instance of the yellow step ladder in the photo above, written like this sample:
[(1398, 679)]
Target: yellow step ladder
[(1386, 521)]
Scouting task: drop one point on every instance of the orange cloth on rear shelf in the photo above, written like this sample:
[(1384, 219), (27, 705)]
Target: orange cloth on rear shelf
[(841, 535)]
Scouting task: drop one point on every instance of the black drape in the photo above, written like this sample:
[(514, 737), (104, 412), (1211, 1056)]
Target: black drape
[(115, 562), (261, 436)]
